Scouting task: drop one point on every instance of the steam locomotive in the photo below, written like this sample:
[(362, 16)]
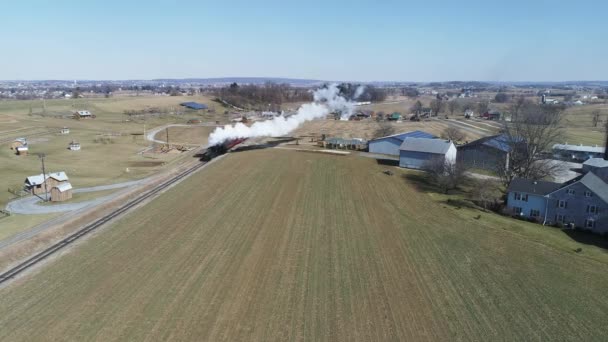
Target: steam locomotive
[(219, 149)]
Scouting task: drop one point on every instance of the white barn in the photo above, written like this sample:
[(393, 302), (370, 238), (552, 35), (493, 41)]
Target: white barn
[(414, 153)]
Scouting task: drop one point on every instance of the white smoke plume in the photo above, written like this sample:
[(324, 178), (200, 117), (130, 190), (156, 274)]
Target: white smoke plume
[(326, 100), (359, 91)]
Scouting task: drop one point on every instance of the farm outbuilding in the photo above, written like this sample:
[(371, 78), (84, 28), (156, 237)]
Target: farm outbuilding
[(390, 144), (23, 150), (416, 152), (194, 105), (346, 144), (577, 153), (489, 153), (35, 184), (83, 114), (65, 130), (74, 146), (18, 143), (61, 192)]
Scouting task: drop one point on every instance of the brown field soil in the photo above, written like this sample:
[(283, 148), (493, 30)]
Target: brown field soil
[(186, 135), (366, 129), (283, 245)]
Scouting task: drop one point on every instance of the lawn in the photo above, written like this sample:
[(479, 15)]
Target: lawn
[(282, 245)]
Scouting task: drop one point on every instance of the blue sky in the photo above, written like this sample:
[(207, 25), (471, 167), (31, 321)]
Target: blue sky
[(331, 40)]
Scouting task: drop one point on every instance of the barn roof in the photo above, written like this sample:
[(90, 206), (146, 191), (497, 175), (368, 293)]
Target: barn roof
[(38, 179), (499, 142), (63, 186), (579, 148), (532, 187), (435, 146), (411, 134), (194, 105)]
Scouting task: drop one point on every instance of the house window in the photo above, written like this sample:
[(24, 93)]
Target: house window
[(571, 192), (592, 209), (562, 204), (534, 213), (517, 210), (560, 218), (517, 196), (587, 193), (524, 198), (589, 223)]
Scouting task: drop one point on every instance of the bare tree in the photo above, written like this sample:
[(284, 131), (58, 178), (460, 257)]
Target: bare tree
[(417, 108), (437, 106), (446, 175), (453, 133), (528, 138), (595, 117), (485, 193), (384, 129), (483, 107), (453, 106)]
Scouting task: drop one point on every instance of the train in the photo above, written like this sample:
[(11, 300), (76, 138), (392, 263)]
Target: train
[(219, 149)]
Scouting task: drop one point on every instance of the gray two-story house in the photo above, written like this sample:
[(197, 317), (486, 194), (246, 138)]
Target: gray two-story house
[(581, 202)]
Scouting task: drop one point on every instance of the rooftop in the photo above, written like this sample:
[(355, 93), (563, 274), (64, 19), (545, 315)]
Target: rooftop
[(579, 148), (38, 179), (411, 134), (194, 105), (596, 185), (63, 186), (532, 187), (596, 162), (437, 146), (499, 142)]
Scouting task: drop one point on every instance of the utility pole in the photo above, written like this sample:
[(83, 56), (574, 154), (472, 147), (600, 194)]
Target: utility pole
[(167, 130), (46, 193)]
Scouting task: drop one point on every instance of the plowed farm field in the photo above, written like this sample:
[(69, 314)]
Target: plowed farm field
[(275, 245)]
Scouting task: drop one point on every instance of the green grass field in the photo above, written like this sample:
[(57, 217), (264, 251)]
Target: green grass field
[(282, 245)]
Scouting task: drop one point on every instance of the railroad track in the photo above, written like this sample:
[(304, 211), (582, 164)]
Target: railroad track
[(32, 261)]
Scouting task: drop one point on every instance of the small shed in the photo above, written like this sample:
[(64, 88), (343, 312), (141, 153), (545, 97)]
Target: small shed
[(22, 150), (61, 192), (74, 146), (18, 142), (84, 114), (414, 153), (65, 130)]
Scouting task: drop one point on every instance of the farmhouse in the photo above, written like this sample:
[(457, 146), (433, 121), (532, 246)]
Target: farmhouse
[(488, 153), (581, 202), (391, 144), (194, 105), (36, 184), (577, 153), (61, 192), (527, 197), (65, 130), (414, 153)]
